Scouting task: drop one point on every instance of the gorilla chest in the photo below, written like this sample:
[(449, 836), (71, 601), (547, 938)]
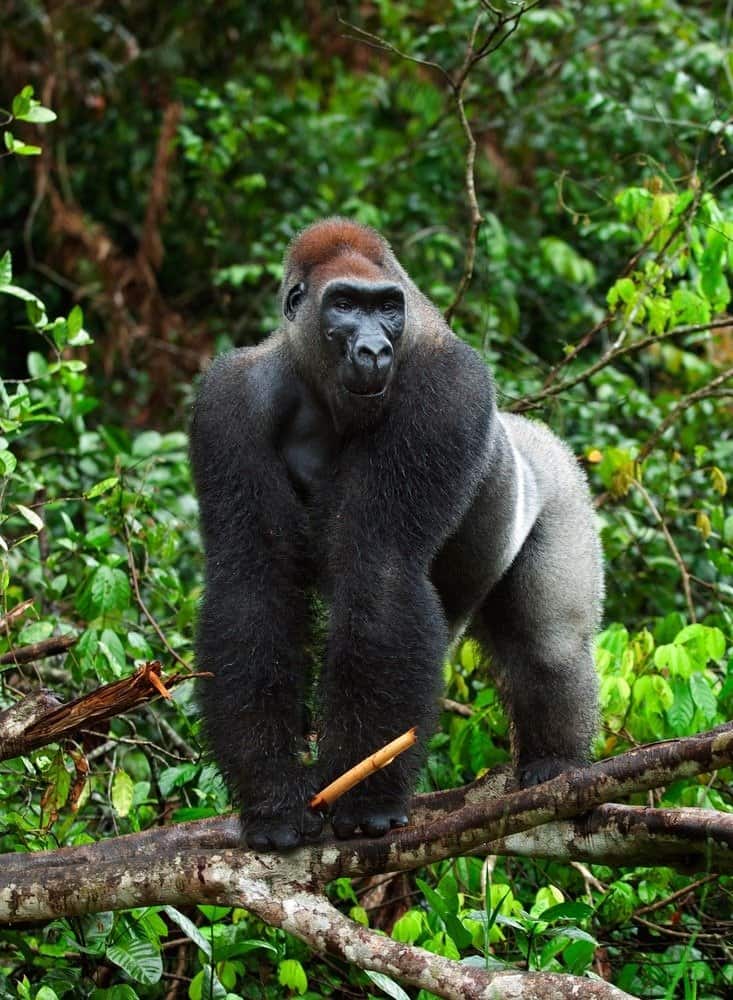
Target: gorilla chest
[(310, 447)]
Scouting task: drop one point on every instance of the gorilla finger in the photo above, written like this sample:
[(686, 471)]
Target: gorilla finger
[(312, 825), (282, 837), (375, 826), (344, 826)]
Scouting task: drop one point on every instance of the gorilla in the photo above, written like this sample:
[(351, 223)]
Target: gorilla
[(356, 459)]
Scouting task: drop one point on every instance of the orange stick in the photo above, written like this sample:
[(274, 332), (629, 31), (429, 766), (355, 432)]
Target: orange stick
[(363, 769)]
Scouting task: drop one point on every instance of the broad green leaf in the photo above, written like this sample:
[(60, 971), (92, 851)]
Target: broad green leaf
[(189, 928), (108, 589), (387, 985), (206, 985), (103, 486), (36, 632), (409, 927), (291, 974), (703, 696), (122, 792), (37, 114), (75, 320), (138, 957), (682, 710), (8, 462)]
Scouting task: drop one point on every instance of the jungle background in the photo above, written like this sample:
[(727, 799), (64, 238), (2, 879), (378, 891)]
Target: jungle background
[(566, 197)]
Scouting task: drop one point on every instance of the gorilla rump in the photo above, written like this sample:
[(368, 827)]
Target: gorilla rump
[(358, 454)]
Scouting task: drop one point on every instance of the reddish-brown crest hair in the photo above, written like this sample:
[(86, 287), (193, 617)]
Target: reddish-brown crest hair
[(322, 242)]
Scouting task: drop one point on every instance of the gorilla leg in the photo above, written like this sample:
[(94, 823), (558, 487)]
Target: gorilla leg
[(382, 675), (538, 624), (252, 635)]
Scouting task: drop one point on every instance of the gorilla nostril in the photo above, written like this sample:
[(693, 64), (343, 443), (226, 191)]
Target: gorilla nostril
[(384, 358), (366, 355)]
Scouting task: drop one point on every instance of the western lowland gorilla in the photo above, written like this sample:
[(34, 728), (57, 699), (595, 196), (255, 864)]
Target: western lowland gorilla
[(357, 458)]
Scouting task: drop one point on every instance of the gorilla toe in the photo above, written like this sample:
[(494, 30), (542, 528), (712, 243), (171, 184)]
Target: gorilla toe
[(535, 772), (278, 834), (373, 820)]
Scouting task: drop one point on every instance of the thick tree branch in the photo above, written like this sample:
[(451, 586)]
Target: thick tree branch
[(200, 862)]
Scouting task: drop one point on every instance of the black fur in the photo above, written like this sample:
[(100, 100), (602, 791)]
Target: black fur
[(358, 454)]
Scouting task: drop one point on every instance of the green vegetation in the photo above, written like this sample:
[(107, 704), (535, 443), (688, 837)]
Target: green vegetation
[(600, 297)]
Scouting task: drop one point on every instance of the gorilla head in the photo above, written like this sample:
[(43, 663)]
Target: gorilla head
[(344, 298)]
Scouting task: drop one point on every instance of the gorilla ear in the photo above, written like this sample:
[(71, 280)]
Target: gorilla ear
[(293, 300)]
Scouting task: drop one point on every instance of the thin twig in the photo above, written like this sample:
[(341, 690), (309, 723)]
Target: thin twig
[(533, 401), (705, 392), (684, 572), (139, 598)]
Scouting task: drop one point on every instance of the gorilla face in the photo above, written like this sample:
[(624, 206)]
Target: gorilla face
[(361, 323)]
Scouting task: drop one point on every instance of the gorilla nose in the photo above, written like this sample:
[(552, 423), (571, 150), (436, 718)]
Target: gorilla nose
[(374, 356)]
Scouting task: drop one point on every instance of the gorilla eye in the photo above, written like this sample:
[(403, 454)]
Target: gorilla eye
[(343, 305), (389, 308)]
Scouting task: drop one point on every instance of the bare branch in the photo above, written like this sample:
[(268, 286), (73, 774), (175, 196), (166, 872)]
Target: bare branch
[(533, 401), (14, 614), (705, 392), (39, 719), (39, 650)]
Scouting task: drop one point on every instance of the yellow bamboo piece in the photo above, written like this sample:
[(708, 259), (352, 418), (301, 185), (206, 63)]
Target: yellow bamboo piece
[(363, 769)]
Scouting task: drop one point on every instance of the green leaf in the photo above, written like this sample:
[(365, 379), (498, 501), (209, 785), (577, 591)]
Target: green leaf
[(30, 516), (291, 974), (103, 486), (682, 710), (703, 696), (107, 589), (189, 928), (22, 101), (146, 444), (575, 911), (138, 957), (175, 777), (408, 928), (461, 936), (122, 792), (387, 985), (206, 985), (121, 992), (36, 632), (75, 321), (46, 993), (6, 268), (37, 114), (8, 462), (110, 646)]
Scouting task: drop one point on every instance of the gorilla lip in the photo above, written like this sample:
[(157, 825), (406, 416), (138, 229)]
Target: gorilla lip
[(367, 395)]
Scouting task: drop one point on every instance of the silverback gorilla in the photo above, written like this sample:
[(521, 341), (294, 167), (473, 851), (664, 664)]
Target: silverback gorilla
[(358, 454)]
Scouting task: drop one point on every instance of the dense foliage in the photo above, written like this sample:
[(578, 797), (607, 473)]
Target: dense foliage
[(599, 297)]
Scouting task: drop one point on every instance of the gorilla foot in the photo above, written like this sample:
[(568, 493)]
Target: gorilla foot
[(534, 772), (373, 818), (283, 832)]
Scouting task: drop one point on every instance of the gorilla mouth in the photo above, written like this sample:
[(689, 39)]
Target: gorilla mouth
[(367, 395)]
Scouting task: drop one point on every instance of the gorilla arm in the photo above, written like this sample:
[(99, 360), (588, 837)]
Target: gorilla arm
[(254, 618), (405, 485)]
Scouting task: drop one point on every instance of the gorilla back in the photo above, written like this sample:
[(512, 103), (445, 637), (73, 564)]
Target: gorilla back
[(358, 453)]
